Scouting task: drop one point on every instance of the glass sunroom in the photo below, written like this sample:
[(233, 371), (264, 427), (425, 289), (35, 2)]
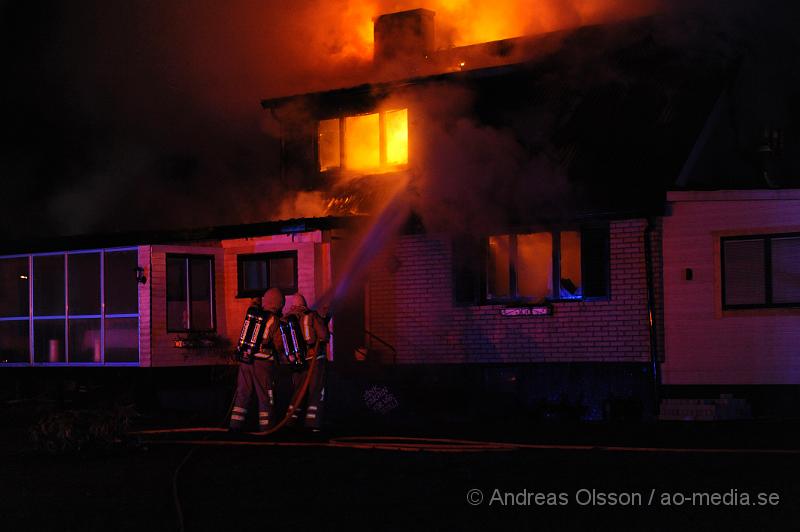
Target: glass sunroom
[(70, 308)]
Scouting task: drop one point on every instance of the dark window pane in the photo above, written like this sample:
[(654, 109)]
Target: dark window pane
[(14, 341), (13, 287), (328, 135), (122, 289), (201, 287), (48, 285), (83, 272), (254, 273), (534, 265), (282, 273), (48, 340), (257, 273), (744, 272), (84, 340), (786, 270), (498, 267), (177, 301), (570, 265), (122, 340), (594, 261), (467, 264)]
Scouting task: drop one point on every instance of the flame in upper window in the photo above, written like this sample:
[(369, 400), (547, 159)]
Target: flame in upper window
[(396, 128), (375, 142), (362, 142)]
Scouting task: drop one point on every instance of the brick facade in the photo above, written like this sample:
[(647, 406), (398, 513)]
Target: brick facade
[(410, 306)]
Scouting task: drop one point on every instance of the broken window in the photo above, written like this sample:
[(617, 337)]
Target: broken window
[(190, 293), (545, 265), (760, 271), (262, 271), (374, 142)]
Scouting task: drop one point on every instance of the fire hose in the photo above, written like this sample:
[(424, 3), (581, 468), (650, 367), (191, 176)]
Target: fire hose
[(297, 398)]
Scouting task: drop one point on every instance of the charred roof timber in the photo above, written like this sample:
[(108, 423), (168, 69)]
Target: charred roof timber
[(404, 37)]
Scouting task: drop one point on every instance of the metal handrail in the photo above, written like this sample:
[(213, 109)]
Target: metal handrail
[(385, 343)]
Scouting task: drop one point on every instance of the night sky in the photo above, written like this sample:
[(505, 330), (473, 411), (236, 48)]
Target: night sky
[(139, 115)]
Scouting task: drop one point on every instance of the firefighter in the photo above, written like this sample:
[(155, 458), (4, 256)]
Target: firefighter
[(256, 373), (315, 334)]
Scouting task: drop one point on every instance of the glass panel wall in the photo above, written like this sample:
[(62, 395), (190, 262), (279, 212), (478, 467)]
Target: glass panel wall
[(14, 287), (14, 341), (122, 294), (14, 310), (122, 340), (52, 308), (84, 284)]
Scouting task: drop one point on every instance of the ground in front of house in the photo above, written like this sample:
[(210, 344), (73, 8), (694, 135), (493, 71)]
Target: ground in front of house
[(569, 478)]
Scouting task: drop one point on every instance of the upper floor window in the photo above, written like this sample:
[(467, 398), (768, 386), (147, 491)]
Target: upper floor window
[(532, 267), (190, 293), (760, 271), (261, 271), (376, 142)]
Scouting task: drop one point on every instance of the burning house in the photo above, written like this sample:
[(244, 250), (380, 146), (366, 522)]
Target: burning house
[(490, 218)]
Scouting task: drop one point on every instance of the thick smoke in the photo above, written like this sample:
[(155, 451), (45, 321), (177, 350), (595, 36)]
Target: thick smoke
[(145, 115), (468, 176)]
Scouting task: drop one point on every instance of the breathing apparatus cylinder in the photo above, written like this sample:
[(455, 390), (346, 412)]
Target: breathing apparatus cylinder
[(252, 334), (294, 348)]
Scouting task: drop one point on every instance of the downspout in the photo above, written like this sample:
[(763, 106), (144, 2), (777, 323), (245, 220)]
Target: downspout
[(651, 317)]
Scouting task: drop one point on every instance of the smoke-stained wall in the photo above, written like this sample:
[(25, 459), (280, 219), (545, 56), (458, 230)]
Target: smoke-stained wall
[(411, 306)]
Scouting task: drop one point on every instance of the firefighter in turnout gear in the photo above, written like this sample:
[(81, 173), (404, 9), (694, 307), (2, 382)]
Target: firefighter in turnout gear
[(315, 334), (257, 366)]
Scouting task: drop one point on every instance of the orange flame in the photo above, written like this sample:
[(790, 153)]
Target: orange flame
[(464, 22)]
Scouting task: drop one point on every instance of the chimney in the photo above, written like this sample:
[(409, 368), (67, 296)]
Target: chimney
[(404, 37)]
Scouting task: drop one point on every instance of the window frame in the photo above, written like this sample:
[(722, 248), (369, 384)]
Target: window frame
[(513, 282), (242, 293), (32, 318), (766, 238), (480, 282), (383, 167), (212, 292)]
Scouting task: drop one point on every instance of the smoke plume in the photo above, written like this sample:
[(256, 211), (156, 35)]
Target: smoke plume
[(140, 115)]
